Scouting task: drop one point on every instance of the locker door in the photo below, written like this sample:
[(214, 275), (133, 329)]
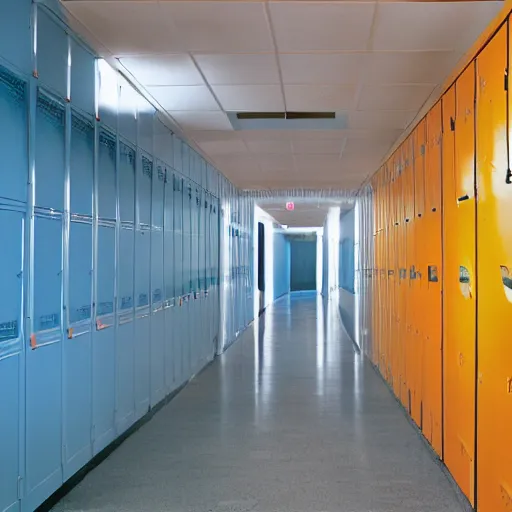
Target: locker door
[(104, 339), (157, 286), (418, 272), (195, 304), (12, 229), (125, 314), (216, 270), (432, 299), (13, 183), (142, 284), (494, 283), (409, 271), (178, 337), (77, 392), (44, 363), (459, 281), (169, 262)]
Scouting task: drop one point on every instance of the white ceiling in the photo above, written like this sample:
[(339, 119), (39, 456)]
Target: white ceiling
[(307, 214), (376, 62)]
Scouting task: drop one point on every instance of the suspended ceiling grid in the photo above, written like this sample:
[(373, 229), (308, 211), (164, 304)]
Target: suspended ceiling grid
[(374, 63)]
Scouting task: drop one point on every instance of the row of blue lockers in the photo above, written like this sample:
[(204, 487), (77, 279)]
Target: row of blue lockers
[(111, 271)]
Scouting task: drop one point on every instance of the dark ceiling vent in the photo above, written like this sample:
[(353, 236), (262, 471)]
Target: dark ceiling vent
[(286, 115)]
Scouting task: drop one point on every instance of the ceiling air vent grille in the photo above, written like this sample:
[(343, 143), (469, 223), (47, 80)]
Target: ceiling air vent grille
[(285, 115)]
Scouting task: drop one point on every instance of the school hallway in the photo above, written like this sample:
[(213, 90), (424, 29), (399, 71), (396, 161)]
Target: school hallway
[(289, 419)]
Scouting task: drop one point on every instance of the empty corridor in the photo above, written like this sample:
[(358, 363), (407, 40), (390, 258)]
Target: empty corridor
[(289, 419)]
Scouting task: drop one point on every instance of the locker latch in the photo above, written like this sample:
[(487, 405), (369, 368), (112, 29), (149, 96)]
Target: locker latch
[(508, 178)]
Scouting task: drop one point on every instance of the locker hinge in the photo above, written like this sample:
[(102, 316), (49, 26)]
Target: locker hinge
[(20, 487), (452, 124), (505, 78)]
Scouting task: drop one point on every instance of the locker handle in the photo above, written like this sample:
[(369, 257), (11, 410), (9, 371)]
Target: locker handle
[(463, 198), (508, 178)]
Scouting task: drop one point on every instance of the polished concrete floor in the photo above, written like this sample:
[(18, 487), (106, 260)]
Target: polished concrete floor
[(289, 419)]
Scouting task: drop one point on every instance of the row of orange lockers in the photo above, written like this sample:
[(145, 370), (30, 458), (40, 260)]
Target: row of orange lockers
[(441, 286)]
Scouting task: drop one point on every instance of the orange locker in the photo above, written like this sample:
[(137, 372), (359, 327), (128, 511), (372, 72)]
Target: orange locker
[(408, 346), (416, 274), (494, 235), (432, 278), (459, 280)]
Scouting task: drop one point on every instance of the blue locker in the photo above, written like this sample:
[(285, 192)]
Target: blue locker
[(49, 153), (44, 364), (52, 54), (15, 26), (104, 348), (157, 286), (177, 153), (107, 175), (10, 368), (127, 120), (178, 339), (187, 278), (83, 83), (169, 297), (11, 227), (162, 142), (108, 94), (195, 304), (81, 164), (125, 291), (143, 285), (13, 143), (77, 392), (146, 114)]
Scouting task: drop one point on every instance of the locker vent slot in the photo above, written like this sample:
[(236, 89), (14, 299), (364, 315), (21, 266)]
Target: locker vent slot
[(9, 330), (51, 108), (147, 167), (127, 153), (105, 308), (83, 312), (14, 86), (108, 140), (82, 125)]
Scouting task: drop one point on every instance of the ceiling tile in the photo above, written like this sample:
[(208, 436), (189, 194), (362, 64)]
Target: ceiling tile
[(275, 162), (457, 24), (321, 69), (408, 67), (202, 120), (317, 163), (305, 26), (163, 70), (299, 135), (394, 97), (265, 98), (269, 146), (194, 97), (243, 69), (128, 28), (214, 135), (328, 146), (223, 147), (380, 119), (307, 98), (220, 26)]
